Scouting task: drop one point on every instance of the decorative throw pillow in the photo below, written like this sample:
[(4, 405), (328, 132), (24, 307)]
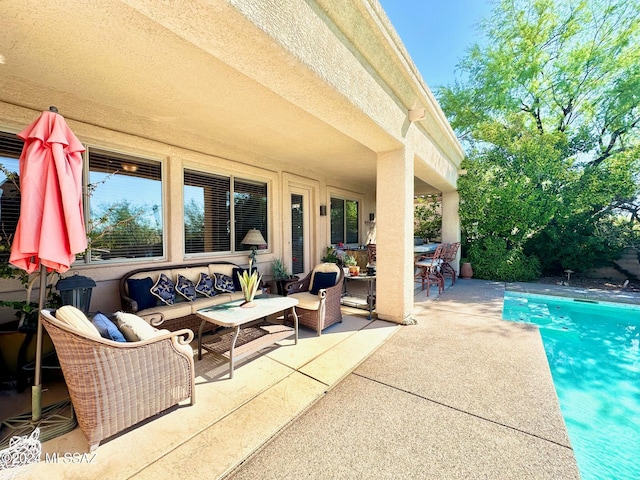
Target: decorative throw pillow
[(205, 285), (133, 327), (164, 289), (74, 317), (186, 288), (140, 291), (322, 280), (107, 328), (223, 283)]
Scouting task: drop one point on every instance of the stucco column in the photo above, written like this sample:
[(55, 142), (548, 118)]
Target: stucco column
[(451, 220), (394, 229)]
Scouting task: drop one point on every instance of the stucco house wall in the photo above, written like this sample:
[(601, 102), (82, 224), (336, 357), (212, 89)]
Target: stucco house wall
[(309, 95)]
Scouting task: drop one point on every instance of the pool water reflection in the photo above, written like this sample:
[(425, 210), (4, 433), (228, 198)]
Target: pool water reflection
[(593, 351)]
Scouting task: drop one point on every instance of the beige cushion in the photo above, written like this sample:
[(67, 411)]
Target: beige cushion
[(74, 317), (133, 327), (306, 300), (192, 274), (169, 312)]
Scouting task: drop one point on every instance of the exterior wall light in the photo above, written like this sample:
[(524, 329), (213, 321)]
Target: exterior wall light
[(416, 114)]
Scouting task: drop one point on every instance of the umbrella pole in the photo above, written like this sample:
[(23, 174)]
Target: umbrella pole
[(36, 389), (54, 420)]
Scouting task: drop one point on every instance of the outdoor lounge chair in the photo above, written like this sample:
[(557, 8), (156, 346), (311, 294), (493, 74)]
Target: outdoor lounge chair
[(115, 385), (319, 307)]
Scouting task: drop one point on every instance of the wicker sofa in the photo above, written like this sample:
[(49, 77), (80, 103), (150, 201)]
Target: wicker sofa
[(114, 385), (182, 314)]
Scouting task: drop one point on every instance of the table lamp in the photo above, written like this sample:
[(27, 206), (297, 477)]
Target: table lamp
[(253, 238)]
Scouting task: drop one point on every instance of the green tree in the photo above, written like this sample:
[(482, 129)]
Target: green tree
[(194, 226), (122, 228), (549, 112), (427, 217)]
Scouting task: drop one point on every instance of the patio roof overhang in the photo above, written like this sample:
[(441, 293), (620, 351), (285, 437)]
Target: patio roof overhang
[(229, 77)]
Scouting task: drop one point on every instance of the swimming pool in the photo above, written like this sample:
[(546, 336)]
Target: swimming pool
[(593, 349)]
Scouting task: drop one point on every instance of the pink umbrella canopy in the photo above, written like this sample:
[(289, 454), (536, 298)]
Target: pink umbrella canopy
[(51, 228)]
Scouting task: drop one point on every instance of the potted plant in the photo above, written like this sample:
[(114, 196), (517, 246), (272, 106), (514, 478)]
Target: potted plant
[(280, 276), (350, 261), (249, 284)]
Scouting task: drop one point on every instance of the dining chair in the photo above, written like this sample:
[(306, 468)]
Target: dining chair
[(428, 270), (371, 253), (447, 264)]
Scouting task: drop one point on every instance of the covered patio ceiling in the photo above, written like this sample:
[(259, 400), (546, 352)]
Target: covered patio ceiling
[(212, 87)]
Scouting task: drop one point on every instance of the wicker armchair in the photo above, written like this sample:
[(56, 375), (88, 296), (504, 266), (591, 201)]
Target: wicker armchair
[(115, 385), (321, 310)]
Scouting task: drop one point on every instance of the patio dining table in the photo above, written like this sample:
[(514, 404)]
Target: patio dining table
[(424, 249)]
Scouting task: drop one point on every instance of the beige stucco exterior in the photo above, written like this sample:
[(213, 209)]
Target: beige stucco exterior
[(308, 96)]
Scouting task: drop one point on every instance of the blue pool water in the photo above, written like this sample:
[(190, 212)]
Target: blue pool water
[(593, 351)]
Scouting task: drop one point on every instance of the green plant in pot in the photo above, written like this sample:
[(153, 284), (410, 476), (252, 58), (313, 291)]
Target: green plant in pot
[(350, 261), (249, 284), (281, 275)]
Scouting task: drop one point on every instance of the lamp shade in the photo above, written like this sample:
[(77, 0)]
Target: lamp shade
[(253, 237)]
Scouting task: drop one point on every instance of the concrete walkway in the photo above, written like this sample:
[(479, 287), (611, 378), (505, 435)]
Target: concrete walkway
[(462, 394)]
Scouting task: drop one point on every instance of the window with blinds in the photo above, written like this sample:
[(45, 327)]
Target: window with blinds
[(10, 149), (125, 207), (211, 220), (250, 210), (124, 203), (344, 221), (207, 212), (297, 234)]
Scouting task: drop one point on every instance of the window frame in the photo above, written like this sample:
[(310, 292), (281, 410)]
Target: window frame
[(84, 258), (133, 157), (232, 178), (345, 196)]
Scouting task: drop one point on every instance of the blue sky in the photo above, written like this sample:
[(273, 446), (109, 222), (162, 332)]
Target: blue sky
[(437, 33)]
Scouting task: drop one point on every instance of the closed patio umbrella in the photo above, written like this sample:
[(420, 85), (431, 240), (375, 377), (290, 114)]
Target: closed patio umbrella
[(50, 230)]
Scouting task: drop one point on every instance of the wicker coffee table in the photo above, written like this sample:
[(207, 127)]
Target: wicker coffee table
[(246, 329)]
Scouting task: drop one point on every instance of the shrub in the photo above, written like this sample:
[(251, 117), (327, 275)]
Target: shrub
[(492, 259)]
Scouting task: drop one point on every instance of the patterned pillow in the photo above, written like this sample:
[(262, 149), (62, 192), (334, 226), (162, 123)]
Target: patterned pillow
[(186, 288), (223, 283), (205, 286), (164, 289)]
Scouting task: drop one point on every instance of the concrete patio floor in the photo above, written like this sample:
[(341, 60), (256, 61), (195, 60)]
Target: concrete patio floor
[(462, 394)]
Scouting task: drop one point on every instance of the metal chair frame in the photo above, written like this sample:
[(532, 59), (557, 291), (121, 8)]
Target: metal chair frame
[(447, 268), (429, 269)]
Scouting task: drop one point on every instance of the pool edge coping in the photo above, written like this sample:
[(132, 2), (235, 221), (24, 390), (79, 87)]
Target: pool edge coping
[(614, 296)]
